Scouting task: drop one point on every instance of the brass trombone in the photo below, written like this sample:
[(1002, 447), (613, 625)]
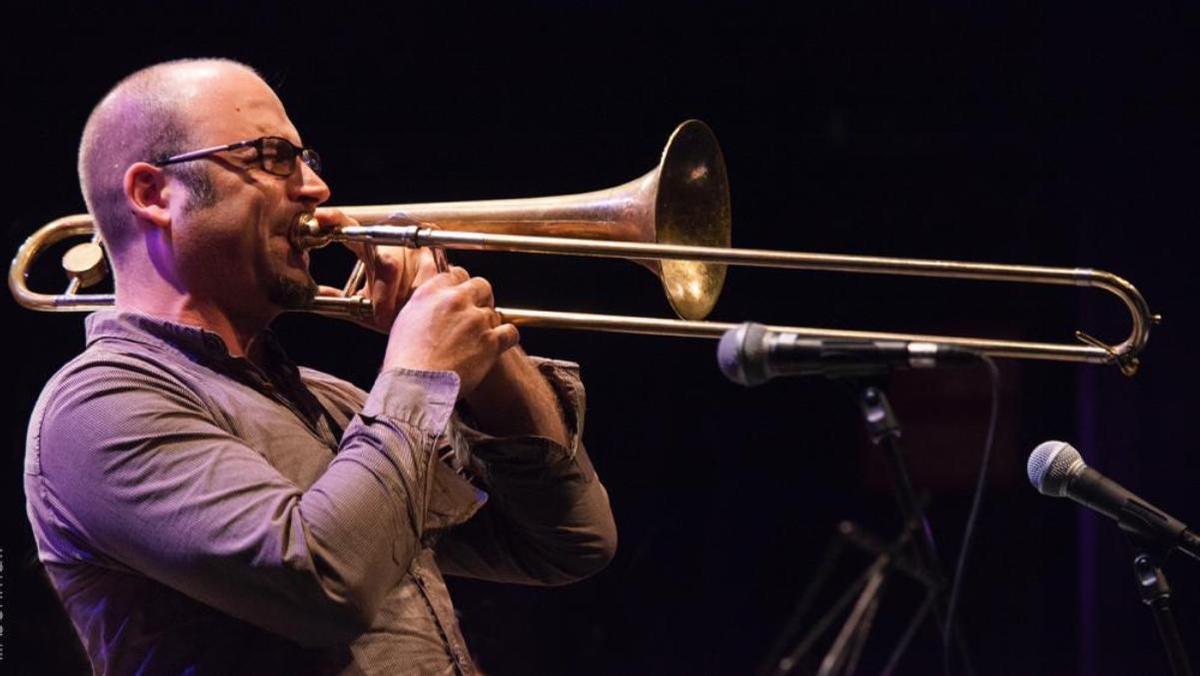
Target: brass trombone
[(675, 220)]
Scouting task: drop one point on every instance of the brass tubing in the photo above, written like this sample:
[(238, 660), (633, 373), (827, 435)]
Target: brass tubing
[(347, 308), (45, 237), (1122, 353), (704, 329)]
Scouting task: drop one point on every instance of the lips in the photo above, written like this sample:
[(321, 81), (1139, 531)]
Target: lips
[(298, 226), (297, 255)]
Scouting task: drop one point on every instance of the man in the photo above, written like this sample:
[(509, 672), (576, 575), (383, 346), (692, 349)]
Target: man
[(203, 505)]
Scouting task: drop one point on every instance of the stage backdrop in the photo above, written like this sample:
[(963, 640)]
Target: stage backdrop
[(1026, 134)]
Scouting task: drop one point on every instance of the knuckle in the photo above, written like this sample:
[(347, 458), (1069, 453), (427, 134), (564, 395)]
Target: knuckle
[(422, 291), (481, 319), (459, 297)]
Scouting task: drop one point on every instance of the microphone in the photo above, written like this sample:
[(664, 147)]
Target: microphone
[(751, 354), (1056, 469)]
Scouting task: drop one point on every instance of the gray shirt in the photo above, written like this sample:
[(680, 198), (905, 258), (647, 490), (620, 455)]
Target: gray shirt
[(195, 511)]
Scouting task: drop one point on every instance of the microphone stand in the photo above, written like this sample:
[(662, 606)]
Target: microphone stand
[(861, 598), (1156, 593), (883, 429)]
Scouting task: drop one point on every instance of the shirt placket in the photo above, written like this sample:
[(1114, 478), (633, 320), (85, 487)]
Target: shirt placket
[(443, 614)]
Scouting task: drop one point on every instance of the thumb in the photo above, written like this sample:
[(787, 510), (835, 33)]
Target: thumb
[(507, 337)]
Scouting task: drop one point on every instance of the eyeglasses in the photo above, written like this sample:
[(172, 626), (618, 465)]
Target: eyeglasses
[(274, 154)]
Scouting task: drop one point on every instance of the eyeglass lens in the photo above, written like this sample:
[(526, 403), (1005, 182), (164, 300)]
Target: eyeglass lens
[(279, 157)]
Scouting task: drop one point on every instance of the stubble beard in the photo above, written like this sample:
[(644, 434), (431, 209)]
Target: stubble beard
[(291, 294), (284, 288)]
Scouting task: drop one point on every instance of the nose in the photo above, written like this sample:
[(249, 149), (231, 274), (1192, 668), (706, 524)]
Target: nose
[(311, 188)]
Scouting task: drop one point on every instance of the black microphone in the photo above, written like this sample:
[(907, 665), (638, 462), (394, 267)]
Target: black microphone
[(750, 354), (1056, 469)]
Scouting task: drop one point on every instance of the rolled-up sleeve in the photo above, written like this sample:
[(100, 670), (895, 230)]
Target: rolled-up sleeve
[(547, 520), (131, 462)]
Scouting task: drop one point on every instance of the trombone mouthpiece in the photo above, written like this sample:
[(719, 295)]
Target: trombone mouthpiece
[(307, 233)]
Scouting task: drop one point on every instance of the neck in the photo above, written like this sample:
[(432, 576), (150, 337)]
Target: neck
[(239, 331), (237, 320)]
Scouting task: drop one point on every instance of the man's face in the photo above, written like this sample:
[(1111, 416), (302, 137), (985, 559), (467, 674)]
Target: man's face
[(237, 251)]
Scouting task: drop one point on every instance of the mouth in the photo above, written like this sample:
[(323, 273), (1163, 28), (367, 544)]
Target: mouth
[(297, 252), (304, 223)]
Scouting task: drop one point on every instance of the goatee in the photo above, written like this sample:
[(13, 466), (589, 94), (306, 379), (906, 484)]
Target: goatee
[(290, 294)]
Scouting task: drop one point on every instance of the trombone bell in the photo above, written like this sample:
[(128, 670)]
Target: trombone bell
[(682, 201)]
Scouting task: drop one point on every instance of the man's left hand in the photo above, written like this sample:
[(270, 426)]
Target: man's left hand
[(393, 272)]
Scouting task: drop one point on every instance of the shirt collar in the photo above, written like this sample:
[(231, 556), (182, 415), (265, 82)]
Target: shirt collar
[(194, 342)]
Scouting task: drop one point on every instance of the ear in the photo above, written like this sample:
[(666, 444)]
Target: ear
[(148, 194)]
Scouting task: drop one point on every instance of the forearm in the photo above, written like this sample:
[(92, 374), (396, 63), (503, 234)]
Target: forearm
[(362, 522), (514, 399), (549, 521)]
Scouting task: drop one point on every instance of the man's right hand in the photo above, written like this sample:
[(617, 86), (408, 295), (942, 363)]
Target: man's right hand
[(450, 324)]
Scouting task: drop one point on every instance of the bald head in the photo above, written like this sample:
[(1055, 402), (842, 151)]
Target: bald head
[(144, 118)]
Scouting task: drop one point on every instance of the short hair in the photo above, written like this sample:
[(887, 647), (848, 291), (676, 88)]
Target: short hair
[(141, 119)]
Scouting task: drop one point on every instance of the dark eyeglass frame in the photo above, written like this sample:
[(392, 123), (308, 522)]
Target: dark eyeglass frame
[(287, 158)]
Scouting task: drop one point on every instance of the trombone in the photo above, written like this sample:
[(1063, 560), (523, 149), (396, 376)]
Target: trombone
[(674, 220)]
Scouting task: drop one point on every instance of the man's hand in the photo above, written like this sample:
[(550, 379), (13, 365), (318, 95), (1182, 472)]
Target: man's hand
[(450, 324), (393, 273)]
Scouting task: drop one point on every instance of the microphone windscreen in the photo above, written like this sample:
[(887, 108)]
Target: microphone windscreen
[(1050, 465), (740, 354)]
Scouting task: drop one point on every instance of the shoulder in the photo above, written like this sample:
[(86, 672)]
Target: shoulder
[(96, 397), (104, 368), (107, 383)]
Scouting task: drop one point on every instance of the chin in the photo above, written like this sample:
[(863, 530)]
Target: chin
[(292, 294)]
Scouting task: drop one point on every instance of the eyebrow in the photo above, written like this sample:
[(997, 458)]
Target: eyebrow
[(266, 131)]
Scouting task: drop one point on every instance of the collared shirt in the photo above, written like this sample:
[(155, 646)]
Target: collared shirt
[(197, 512)]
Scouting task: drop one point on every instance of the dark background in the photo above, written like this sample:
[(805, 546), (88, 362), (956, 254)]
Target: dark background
[(1056, 135)]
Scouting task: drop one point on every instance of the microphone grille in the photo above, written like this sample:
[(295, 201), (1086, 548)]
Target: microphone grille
[(1050, 466), (740, 354)]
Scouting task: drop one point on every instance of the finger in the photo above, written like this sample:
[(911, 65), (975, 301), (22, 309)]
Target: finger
[(506, 337), (439, 257), (427, 271), (426, 265), (329, 217), (328, 291), (332, 216), (481, 291), (357, 248), (491, 318), (457, 274)]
